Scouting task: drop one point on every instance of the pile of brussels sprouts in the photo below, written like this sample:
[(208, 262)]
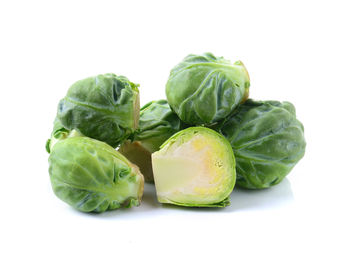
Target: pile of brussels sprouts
[(195, 146)]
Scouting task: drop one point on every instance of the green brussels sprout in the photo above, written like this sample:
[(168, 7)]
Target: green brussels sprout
[(267, 140), (157, 123), (59, 133), (91, 176), (195, 167), (204, 89), (105, 107)]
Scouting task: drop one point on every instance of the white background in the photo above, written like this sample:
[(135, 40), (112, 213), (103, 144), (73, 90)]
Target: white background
[(294, 50)]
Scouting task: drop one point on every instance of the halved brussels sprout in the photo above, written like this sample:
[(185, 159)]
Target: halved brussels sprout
[(59, 133), (267, 140), (140, 156), (105, 107), (195, 167), (91, 176), (204, 89), (157, 123)]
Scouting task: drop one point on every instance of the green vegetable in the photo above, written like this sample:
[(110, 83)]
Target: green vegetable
[(267, 140), (104, 107), (157, 123), (195, 167), (59, 133), (204, 89), (91, 176)]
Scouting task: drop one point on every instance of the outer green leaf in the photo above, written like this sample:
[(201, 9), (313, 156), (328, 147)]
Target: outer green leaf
[(203, 89), (224, 203), (93, 177), (104, 107), (267, 140)]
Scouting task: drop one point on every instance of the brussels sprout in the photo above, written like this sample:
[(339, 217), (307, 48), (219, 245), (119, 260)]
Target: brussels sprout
[(204, 89), (91, 176), (267, 140), (104, 107), (59, 133), (157, 123), (195, 167)]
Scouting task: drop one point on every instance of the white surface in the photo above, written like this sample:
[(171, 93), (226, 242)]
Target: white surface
[(295, 50)]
